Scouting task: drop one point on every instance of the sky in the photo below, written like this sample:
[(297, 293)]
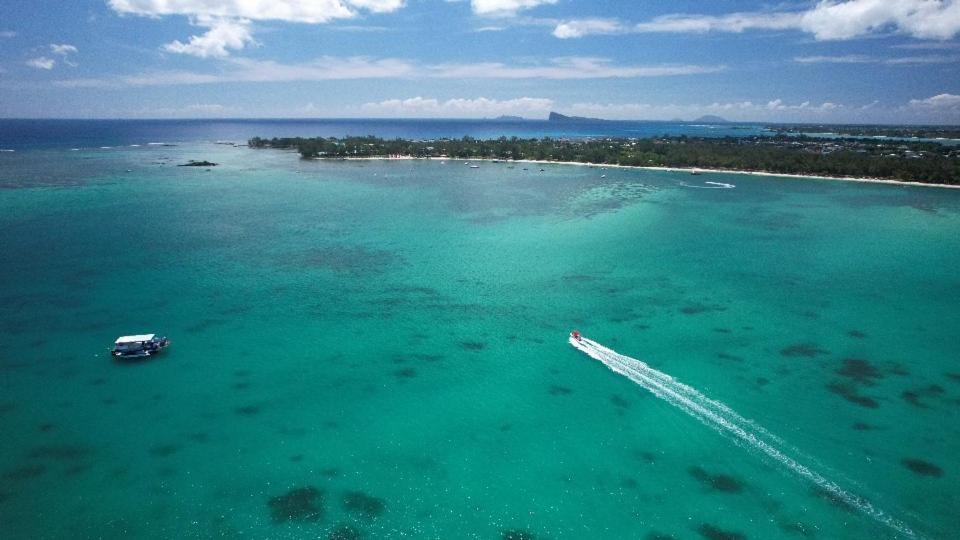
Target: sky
[(829, 61)]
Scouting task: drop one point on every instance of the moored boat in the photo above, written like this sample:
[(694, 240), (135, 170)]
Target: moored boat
[(138, 346)]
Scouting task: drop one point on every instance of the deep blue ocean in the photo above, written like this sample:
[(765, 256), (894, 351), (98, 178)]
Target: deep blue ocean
[(53, 134)]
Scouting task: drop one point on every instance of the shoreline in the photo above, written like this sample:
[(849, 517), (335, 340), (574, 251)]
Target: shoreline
[(865, 180)]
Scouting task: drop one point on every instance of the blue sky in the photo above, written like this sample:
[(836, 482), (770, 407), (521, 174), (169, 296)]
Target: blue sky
[(895, 61)]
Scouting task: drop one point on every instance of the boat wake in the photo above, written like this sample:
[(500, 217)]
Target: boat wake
[(712, 185), (721, 418)]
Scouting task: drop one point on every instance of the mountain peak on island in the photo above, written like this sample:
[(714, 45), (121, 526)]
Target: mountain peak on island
[(557, 117), (711, 119)]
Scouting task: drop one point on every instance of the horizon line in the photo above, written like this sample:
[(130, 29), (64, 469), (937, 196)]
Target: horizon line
[(510, 118)]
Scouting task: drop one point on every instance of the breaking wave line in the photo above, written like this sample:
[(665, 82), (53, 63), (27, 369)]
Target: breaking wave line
[(721, 418)]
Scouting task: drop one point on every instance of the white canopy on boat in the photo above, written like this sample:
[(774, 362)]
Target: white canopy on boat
[(134, 339)]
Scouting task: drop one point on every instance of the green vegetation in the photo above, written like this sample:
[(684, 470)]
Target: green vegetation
[(902, 132), (895, 160)]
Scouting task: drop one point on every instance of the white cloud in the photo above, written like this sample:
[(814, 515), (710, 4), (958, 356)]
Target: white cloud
[(931, 59), (459, 108), (583, 27), (734, 22), (563, 68), (322, 69), (63, 49), (863, 59), (337, 68), (827, 20), (923, 19), (222, 35), (246, 70), (301, 11), (940, 101), (779, 105), (206, 108), (771, 110), (228, 22), (938, 109), (505, 8), (845, 59), (42, 63), (7, 34), (923, 45)]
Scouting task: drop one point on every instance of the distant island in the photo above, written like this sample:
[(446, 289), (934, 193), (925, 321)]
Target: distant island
[(509, 118), (557, 117), (705, 119), (930, 163), (710, 119)]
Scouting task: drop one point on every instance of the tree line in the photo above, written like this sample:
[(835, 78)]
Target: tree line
[(911, 162)]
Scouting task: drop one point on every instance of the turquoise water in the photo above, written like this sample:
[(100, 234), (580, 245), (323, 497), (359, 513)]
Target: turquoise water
[(380, 348)]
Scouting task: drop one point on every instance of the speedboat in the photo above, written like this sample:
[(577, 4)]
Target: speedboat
[(139, 346)]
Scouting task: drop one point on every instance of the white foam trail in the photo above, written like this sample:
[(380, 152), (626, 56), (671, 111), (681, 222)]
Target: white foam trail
[(720, 417), (713, 185), (723, 185)]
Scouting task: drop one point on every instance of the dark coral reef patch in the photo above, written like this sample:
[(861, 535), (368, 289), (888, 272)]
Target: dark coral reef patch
[(716, 482), (922, 468), (248, 410), (368, 506), (804, 350), (299, 504), (712, 532), (619, 401), (849, 393), (913, 397), (405, 373), (473, 345), (859, 370)]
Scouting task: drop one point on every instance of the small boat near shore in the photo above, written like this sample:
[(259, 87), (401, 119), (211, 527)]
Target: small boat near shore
[(139, 346)]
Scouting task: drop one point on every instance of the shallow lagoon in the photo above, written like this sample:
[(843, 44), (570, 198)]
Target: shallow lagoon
[(379, 349)]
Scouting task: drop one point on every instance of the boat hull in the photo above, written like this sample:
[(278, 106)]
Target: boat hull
[(147, 351)]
